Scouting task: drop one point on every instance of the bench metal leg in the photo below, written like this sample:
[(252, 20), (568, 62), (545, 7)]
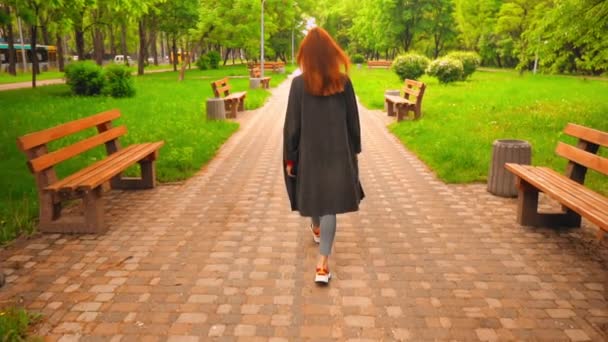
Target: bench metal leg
[(528, 215)]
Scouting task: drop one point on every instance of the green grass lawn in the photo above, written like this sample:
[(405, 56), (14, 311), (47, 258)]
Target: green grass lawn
[(461, 120), (14, 324), (163, 109), (5, 77)]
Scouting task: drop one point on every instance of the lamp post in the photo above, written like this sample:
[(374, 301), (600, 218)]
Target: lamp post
[(262, 44), (22, 46)]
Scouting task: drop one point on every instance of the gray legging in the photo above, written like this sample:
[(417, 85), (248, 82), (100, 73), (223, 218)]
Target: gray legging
[(328, 232)]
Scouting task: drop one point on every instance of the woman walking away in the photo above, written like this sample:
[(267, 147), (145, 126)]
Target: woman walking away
[(321, 140)]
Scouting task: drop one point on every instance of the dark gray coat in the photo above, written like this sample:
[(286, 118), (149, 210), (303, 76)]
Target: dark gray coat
[(323, 137)]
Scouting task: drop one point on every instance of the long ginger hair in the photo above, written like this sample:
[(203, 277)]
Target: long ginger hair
[(320, 58)]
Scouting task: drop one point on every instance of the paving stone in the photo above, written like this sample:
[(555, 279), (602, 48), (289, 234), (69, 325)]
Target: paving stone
[(220, 257)]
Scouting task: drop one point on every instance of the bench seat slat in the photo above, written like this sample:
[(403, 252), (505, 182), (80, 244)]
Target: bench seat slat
[(397, 99), (102, 171), (39, 138), (570, 187), (235, 95), (577, 201), (133, 157), (552, 184), (69, 183), (547, 180), (45, 161)]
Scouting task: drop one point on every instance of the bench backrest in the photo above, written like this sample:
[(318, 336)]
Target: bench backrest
[(221, 87), (583, 156), (414, 89), (41, 161), (255, 73), (275, 66), (379, 63)]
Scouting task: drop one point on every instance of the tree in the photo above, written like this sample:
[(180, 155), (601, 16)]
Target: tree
[(571, 37), (31, 11), (6, 20), (439, 23), (515, 18), (476, 20), (175, 18)]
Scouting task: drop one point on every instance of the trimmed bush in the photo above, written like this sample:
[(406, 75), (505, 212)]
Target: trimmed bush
[(357, 58), (410, 66), (84, 78), (446, 69), (203, 62), (470, 61), (214, 59), (118, 81)]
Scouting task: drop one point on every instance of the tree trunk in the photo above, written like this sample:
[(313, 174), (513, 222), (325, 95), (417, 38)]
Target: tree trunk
[(437, 42), (46, 37), (174, 57), (226, 55), (185, 62), (154, 49), (123, 41), (112, 40), (60, 53), (142, 47), (151, 39), (98, 45), (79, 37), (12, 53), (35, 70), (162, 47)]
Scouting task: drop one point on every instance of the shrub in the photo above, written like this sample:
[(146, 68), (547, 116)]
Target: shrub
[(358, 58), (446, 69), (214, 59), (410, 65), (470, 61), (203, 62), (84, 78), (118, 81)]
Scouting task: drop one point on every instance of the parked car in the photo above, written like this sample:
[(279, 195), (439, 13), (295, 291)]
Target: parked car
[(121, 59)]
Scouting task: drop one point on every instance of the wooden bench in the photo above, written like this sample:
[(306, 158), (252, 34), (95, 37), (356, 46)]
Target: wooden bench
[(87, 183), (232, 102), (569, 190), (276, 67), (379, 64), (265, 81), (413, 92)]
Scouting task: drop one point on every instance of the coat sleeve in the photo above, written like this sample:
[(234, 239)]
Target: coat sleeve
[(291, 129), (352, 117)]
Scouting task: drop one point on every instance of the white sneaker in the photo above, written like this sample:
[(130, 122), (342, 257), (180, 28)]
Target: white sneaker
[(316, 237), (322, 276)]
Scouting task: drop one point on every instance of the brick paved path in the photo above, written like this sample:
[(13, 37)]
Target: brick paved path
[(221, 258)]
